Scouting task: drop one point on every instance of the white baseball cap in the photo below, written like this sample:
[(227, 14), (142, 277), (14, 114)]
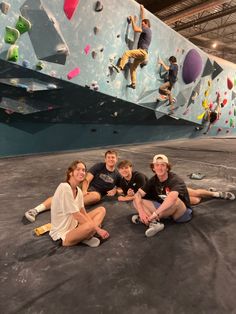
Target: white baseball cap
[(160, 156)]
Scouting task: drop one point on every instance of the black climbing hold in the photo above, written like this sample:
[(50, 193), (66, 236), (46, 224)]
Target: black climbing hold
[(95, 30), (98, 6), (94, 54)]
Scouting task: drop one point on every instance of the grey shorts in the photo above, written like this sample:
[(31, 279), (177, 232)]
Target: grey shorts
[(187, 216)]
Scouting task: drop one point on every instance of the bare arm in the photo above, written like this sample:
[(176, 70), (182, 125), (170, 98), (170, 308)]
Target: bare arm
[(139, 205), (85, 185), (161, 62), (136, 28), (142, 12), (169, 201)]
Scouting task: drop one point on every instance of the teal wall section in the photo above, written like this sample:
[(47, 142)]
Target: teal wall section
[(41, 109)]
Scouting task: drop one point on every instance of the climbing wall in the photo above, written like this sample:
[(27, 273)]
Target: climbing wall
[(56, 75)]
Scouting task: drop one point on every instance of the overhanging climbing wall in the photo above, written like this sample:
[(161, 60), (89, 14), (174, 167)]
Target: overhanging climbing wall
[(56, 69)]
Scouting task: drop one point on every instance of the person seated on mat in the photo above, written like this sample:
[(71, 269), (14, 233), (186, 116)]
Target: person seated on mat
[(129, 182), (100, 181), (170, 79), (168, 198), (70, 222), (139, 55), (196, 195)]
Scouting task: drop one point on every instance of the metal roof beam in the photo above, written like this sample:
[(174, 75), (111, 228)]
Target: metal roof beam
[(204, 19), (207, 5)]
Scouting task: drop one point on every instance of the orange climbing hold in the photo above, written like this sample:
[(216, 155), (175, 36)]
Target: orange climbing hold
[(69, 7)]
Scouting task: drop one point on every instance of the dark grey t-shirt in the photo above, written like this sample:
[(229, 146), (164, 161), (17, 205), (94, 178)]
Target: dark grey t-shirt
[(145, 38), (104, 180)]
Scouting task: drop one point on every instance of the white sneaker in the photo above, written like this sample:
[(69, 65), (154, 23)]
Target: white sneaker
[(31, 214), (135, 219), (153, 229), (227, 196), (92, 242)]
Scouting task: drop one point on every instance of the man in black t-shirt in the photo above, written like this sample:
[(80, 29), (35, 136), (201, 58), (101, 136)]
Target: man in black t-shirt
[(130, 181), (101, 179), (168, 198)]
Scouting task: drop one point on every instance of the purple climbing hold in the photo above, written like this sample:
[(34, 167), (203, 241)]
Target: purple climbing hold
[(192, 66)]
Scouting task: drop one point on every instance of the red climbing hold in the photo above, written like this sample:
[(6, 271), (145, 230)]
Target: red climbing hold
[(69, 7), (219, 130), (224, 102), (230, 84)]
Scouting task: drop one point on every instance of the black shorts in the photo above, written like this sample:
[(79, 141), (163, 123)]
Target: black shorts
[(213, 116)]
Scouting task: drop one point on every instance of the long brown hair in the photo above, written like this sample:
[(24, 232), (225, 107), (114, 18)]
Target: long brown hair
[(72, 167)]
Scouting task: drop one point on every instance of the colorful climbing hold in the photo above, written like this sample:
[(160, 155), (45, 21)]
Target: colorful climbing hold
[(219, 129), (13, 53), (224, 102), (70, 7), (230, 83), (95, 30), (192, 66), (40, 65), (94, 54), (25, 63), (206, 93), (98, 6), (87, 49), (200, 117), (5, 7), (205, 104), (23, 25), (231, 122), (73, 73), (11, 35)]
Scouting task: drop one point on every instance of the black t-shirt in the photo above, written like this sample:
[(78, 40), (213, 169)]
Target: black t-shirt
[(104, 180), (137, 181), (154, 188)]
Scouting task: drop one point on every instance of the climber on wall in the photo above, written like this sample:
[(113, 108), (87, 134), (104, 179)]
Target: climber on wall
[(140, 54), (170, 79)]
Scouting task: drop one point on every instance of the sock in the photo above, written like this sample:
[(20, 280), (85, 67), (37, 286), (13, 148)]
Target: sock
[(216, 194), (40, 208)]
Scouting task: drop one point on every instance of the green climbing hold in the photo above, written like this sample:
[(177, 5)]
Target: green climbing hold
[(40, 65), (23, 25), (231, 122), (13, 54), (11, 35)]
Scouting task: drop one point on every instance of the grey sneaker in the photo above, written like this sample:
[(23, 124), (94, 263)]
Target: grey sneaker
[(227, 196), (135, 219), (92, 242), (31, 214), (153, 229)]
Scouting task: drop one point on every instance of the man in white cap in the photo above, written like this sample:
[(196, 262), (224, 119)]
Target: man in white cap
[(168, 196)]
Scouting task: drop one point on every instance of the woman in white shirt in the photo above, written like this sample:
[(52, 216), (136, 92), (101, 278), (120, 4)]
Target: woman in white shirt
[(70, 221)]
